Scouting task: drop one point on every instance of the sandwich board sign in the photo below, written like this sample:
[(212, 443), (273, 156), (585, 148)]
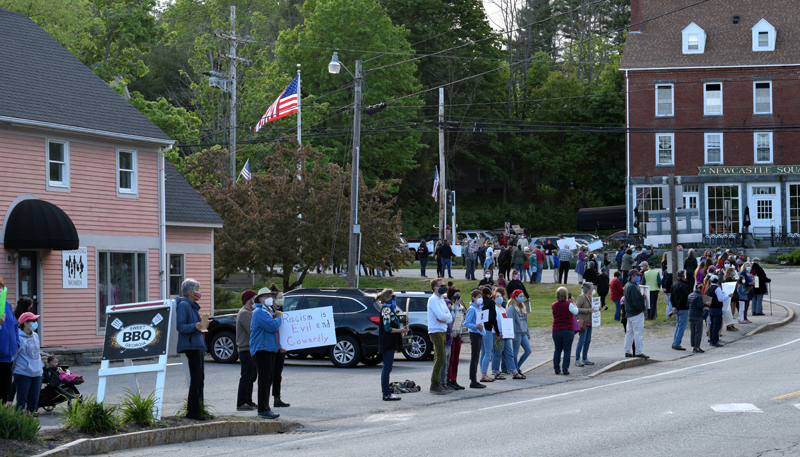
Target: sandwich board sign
[(137, 330)]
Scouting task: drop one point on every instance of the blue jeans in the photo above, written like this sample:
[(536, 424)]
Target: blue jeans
[(506, 355), (584, 339), (423, 262), (27, 392), (669, 304), (486, 351), (716, 324), (447, 263), (523, 273), (388, 361), (616, 313), (522, 340), (539, 268), (758, 300), (470, 269), (563, 342), (549, 259), (682, 318), (487, 263)]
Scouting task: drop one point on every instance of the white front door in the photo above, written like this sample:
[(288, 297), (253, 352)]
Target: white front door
[(765, 209)]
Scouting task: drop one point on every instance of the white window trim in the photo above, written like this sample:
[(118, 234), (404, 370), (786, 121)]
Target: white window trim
[(764, 26), (704, 210), (788, 207), (100, 330), (694, 29), (771, 147), (705, 100), (183, 269), (721, 148), (672, 101), (672, 163), (754, 97), (134, 191), (62, 186)]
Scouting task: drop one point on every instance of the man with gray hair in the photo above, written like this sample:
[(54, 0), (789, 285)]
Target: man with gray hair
[(679, 296)]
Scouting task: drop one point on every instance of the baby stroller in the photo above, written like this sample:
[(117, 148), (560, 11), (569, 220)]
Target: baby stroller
[(58, 387)]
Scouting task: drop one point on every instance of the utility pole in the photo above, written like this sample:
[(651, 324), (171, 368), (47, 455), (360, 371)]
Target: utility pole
[(442, 174), (353, 269), (232, 150), (673, 225)]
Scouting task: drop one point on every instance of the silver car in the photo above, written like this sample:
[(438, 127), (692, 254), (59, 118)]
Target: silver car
[(415, 303)]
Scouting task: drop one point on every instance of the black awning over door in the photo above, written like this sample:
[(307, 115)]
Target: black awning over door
[(37, 224)]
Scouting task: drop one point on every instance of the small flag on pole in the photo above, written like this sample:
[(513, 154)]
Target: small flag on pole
[(245, 173), (285, 105), (435, 193)]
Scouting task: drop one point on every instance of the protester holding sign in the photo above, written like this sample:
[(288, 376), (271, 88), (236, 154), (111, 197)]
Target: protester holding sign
[(280, 356), (264, 344), (438, 318), (192, 344), (503, 346), (516, 311), (9, 343), (457, 311), (564, 312), (476, 333), (389, 338), (585, 311), (249, 374)]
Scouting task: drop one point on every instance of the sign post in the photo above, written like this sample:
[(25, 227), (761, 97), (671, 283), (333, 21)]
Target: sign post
[(137, 330)]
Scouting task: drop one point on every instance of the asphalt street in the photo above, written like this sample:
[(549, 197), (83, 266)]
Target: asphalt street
[(730, 401)]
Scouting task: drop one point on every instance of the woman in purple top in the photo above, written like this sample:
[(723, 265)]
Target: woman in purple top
[(580, 266), (564, 310)]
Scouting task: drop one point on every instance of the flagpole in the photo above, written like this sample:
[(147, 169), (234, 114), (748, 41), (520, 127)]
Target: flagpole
[(299, 139)]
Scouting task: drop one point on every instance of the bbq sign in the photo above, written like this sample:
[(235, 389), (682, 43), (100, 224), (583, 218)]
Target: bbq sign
[(132, 334)]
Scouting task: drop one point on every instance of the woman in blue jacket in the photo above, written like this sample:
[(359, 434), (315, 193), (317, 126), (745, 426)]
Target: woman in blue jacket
[(9, 343), (192, 344), (263, 345)]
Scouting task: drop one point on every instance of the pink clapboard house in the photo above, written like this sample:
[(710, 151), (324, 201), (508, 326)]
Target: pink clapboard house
[(92, 214)]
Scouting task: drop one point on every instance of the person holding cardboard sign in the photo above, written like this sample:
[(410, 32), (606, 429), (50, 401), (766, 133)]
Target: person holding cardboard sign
[(389, 338), (192, 344)]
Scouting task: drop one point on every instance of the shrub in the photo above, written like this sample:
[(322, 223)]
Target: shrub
[(91, 416), (793, 257), (139, 410), (205, 410), (17, 424), (225, 299)]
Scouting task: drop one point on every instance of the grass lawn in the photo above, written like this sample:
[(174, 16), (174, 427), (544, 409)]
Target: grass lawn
[(542, 295)]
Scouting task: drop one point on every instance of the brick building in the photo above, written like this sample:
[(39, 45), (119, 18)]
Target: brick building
[(712, 96)]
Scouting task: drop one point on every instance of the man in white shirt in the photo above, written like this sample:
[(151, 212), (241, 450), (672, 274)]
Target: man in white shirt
[(438, 318)]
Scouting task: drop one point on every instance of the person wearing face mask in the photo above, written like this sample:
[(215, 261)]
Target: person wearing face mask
[(248, 376), (457, 310), (9, 343), (516, 284), (745, 292), (192, 344), (487, 279), (715, 309), (634, 313), (280, 356), (264, 344), (389, 339), (476, 333), (503, 347), (28, 364), (760, 281), (438, 318), (487, 344)]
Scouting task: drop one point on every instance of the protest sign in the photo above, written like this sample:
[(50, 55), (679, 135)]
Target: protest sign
[(595, 246), (645, 291), (482, 316), (506, 327), (596, 314), (727, 313), (567, 243), (307, 328)]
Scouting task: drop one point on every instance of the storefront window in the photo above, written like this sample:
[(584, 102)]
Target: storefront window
[(723, 209), (121, 278), (794, 208), (648, 199)]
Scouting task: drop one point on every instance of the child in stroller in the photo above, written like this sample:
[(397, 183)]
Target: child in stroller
[(58, 385)]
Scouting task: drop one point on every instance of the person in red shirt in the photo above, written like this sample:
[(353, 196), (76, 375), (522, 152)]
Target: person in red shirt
[(539, 264), (616, 292)]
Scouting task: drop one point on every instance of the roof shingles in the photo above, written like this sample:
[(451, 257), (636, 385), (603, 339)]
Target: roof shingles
[(183, 203)]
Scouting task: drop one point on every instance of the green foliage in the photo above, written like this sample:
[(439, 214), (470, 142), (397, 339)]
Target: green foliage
[(90, 416), (177, 123), (793, 257), (206, 409), (139, 410), (17, 424), (225, 299)]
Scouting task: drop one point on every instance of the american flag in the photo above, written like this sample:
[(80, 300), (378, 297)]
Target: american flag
[(435, 193), (245, 173), (285, 105)]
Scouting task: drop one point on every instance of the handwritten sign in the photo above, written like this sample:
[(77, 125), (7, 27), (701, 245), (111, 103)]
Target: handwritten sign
[(308, 328), (595, 245), (567, 243), (506, 327), (596, 321), (727, 314), (645, 291), (482, 317)]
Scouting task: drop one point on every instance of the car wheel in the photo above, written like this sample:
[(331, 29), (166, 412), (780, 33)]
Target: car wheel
[(296, 356), (370, 360), (346, 353), (420, 348), (223, 347)]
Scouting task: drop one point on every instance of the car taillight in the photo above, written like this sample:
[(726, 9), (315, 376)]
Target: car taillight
[(375, 319)]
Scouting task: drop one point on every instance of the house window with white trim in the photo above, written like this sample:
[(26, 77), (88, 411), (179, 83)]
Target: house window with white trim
[(175, 274), (691, 194), (764, 35), (763, 147), (762, 97), (664, 100), (794, 208), (58, 164), (723, 208), (713, 147), (126, 171), (665, 149), (121, 279), (713, 99)]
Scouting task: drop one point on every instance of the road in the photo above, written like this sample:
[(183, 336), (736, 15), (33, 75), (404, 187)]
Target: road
[(724, 402)]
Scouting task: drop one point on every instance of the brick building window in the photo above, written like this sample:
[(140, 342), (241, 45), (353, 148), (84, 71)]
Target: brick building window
[(762, 97), (713, 99), (648, 199), (794, 208), (664, 100), (665, 149), (763, 147), (713, 148), (763, 39), (723, 209)]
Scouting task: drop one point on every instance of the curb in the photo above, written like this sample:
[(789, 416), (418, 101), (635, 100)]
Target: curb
[(623, 364), (537, 366), (772, 326), (163, 437)]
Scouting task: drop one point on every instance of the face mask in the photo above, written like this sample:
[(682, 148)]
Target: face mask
[(34, 326), (279, 302), (487, 276), (747, 268), (479, 302), (268, 301), (456, 297), (638, 279), (442, 290), (392, 304), (499, 300), (727, 265), (197, 295)]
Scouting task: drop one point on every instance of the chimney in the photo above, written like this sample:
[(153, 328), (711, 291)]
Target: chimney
[(636, 16)]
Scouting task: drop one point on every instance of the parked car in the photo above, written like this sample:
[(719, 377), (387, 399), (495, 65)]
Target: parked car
[(616, 239), (415, 302), (585, 237), (355, 318), (474, 235)]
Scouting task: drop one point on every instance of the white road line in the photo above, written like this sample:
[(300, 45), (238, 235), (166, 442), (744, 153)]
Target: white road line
[(797, 406), (588, 389), (736, 408), (390, 417)]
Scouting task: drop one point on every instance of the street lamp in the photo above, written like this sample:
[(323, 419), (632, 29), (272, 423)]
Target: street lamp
[(355, 230)]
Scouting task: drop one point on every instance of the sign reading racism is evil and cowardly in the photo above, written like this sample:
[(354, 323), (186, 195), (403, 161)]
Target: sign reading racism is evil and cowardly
[(74, 269), (307, 328), (134, 334)]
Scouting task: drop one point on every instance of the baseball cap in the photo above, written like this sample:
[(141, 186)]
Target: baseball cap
[(634, 272), (247, 295), (25, 317), (644, 263)]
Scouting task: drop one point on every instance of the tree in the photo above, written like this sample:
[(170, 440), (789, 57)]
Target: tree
[(289, 218), (177, 123)]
